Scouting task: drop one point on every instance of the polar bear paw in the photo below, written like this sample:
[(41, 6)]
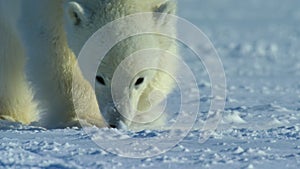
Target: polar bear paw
[(7, 118)]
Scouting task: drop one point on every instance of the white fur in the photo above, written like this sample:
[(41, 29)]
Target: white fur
[(134, 101), (46, 36)]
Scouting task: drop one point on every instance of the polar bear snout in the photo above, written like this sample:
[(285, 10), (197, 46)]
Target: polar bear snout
[(111, 115), (113, 118)]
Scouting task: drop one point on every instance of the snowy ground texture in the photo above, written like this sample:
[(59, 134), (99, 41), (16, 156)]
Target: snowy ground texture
[(258, 42)]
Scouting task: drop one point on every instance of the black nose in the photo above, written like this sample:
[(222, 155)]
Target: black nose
[(112, 126)]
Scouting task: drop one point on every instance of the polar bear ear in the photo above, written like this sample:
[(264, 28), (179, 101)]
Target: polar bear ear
[(167, 7), (75, 13)]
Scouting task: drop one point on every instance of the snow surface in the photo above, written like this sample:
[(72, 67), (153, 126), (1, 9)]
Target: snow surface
[(258, 42)]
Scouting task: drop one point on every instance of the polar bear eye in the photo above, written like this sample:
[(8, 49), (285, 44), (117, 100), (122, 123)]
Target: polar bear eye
[(100, 80), (139, 81)]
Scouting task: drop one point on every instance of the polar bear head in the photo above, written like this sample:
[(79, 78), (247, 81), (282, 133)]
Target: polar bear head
[(84, 17)]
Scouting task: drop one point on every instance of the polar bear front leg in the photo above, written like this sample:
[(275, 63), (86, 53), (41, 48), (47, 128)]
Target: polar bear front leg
[(51, 65), (65, 96), (16, 96)]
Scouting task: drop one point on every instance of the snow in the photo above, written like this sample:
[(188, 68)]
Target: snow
[(258, 43)]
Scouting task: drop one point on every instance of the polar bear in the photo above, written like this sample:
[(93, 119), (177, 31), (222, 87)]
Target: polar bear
[(40, 41)]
